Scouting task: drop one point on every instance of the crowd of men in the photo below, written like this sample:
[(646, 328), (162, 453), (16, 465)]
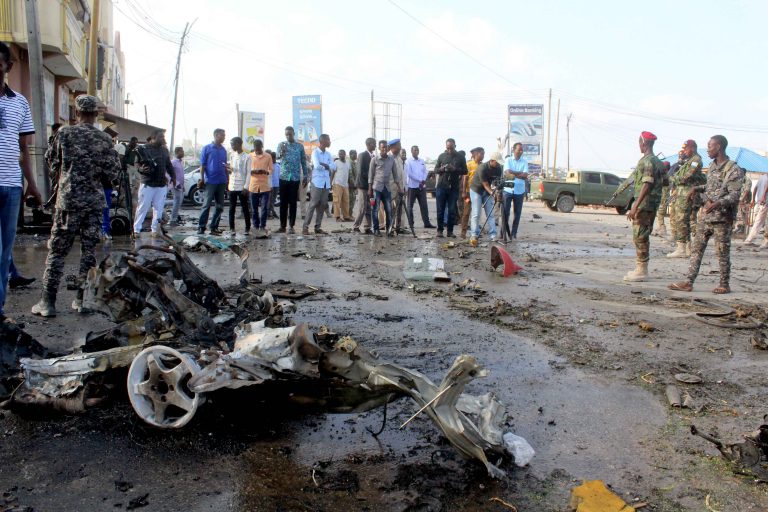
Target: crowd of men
[(382, 182)]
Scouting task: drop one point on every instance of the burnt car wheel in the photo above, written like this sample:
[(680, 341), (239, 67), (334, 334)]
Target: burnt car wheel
[(158, 387)]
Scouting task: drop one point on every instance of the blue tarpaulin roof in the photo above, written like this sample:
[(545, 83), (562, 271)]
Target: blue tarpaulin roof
[(745, 158)]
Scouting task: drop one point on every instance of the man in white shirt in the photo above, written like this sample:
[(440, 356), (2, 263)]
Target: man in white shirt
[(239, 179), (416, 177), (322, 166), (761, 209), (340, 180), (15, 129)]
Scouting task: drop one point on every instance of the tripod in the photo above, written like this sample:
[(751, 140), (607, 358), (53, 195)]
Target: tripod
[(495, 193), (124, 188)]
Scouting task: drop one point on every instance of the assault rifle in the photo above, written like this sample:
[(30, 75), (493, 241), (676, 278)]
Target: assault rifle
[(624, 186)]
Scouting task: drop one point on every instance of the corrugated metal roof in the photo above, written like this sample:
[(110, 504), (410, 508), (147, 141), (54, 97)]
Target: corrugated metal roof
[(745, 158)]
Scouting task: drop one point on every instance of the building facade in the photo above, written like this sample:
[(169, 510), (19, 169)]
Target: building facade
[(64, 30)]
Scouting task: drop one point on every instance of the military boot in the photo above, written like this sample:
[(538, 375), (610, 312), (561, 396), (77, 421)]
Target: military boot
[(662, 231), (688, 248), (679, 252), (639, 274), (46, 307)]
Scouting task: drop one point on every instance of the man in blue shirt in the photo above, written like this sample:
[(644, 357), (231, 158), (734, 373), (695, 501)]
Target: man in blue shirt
[(214, 170), (515, 168), (293, 168), (322, 165)]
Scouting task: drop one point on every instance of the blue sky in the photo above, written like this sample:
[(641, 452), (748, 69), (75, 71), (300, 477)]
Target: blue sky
[(680, 69)]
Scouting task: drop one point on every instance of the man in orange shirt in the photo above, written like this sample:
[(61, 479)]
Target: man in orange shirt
[(259, 186), (477, 155)]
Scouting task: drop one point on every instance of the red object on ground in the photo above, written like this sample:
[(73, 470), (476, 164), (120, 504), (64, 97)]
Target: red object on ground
[(500, 256)]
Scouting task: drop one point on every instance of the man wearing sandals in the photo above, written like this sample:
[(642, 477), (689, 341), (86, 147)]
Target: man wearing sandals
[(721, 192)]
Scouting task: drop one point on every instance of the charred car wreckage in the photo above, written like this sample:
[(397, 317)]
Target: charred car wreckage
[(178, 337)]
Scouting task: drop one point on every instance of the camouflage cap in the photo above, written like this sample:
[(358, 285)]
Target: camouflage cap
[(87, 103)]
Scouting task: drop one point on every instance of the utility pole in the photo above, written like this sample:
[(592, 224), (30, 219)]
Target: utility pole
[(93, 48), (239, 121), (194, 148), (568, 139), (146, 117), (549, 123), (176, 81), (35, 50), (373, 117), (557, 128)]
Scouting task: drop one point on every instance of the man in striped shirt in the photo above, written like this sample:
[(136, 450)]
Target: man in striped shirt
[(15, 128)]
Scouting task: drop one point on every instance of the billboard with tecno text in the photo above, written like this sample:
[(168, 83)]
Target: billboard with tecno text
[(308, 120)]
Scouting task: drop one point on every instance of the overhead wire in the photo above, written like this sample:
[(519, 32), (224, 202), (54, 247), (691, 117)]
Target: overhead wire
[(583, 99), (141, 25)]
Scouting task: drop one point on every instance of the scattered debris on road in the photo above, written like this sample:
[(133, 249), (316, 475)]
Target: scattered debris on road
[(594, 496), (500, 256), (748, 453), (180, 336), (425, 269)]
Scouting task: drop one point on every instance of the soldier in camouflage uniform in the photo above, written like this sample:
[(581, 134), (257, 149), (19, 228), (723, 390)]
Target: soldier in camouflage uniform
[(661, 228), (81, 155), (688, 176), (724, 181), (648, 180), (745, 198), (673, 193)]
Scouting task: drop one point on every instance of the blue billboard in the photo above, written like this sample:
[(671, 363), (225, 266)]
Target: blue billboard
[(308, 120)]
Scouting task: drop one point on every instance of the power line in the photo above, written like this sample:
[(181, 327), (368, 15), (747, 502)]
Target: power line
[(142, 27), (457, 48), (585, 100), (142, 13)]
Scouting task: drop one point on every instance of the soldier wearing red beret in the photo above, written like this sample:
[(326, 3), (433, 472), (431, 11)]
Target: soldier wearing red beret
[(647, 180)]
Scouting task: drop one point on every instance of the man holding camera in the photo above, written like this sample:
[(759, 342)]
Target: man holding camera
[(484, 186), (450, 167), (154, 168), (80, 157)]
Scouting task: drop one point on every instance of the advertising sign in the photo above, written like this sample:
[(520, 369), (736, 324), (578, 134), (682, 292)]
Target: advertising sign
[(308, 120), (251, 127), (526, 125)]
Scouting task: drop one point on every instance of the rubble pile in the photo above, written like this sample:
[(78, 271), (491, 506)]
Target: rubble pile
[(179, 337)]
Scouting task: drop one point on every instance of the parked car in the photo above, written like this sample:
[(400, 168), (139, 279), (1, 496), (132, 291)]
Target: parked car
[(191, 192), (584, 188)]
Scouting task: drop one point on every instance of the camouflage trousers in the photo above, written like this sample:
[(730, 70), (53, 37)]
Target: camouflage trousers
[(743, 219), (684, 219), (662, 211), (641, 234), (722, 232), (67, 224)]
